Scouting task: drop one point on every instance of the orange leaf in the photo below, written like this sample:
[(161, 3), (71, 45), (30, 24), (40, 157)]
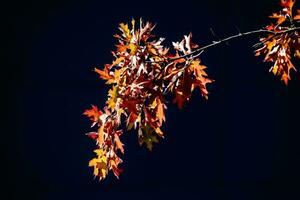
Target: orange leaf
[(287, 4), (159, 132), (297, 17), (104, 74), (121, 48), (101, 135), (280, 18), (180, 60), (160, 111), (119, 144), (285, 78), (93, 113)]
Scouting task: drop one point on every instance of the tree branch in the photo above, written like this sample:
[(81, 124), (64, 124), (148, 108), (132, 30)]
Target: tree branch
[(199, 51), (234, 37)]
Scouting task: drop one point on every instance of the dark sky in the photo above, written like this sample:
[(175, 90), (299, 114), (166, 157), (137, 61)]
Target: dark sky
[(243, 143)]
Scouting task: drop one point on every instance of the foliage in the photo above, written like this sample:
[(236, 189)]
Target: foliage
[(144, 72), (279, 48)]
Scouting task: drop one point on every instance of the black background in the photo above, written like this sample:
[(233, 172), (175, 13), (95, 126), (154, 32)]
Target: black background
[(243, 143)]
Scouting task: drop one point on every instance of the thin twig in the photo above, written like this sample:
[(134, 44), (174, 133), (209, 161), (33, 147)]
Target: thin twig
[(199, 51), (234, 37)]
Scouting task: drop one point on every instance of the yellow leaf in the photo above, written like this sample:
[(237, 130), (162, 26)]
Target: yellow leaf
[(124, 28), (96, 171), (103, 161), (118, 73), (154, 104), (99, 164), (99, 152), (103, 174), (271, 44), (132, 48), (117, 61), (159, 132), (297, 53), (113, 94), (275, 69), (112, 163), (194, 64), (93, 162)]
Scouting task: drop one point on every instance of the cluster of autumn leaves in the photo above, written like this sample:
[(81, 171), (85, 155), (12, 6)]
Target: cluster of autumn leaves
[(140, 76), (281, 45), (144, 71)]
